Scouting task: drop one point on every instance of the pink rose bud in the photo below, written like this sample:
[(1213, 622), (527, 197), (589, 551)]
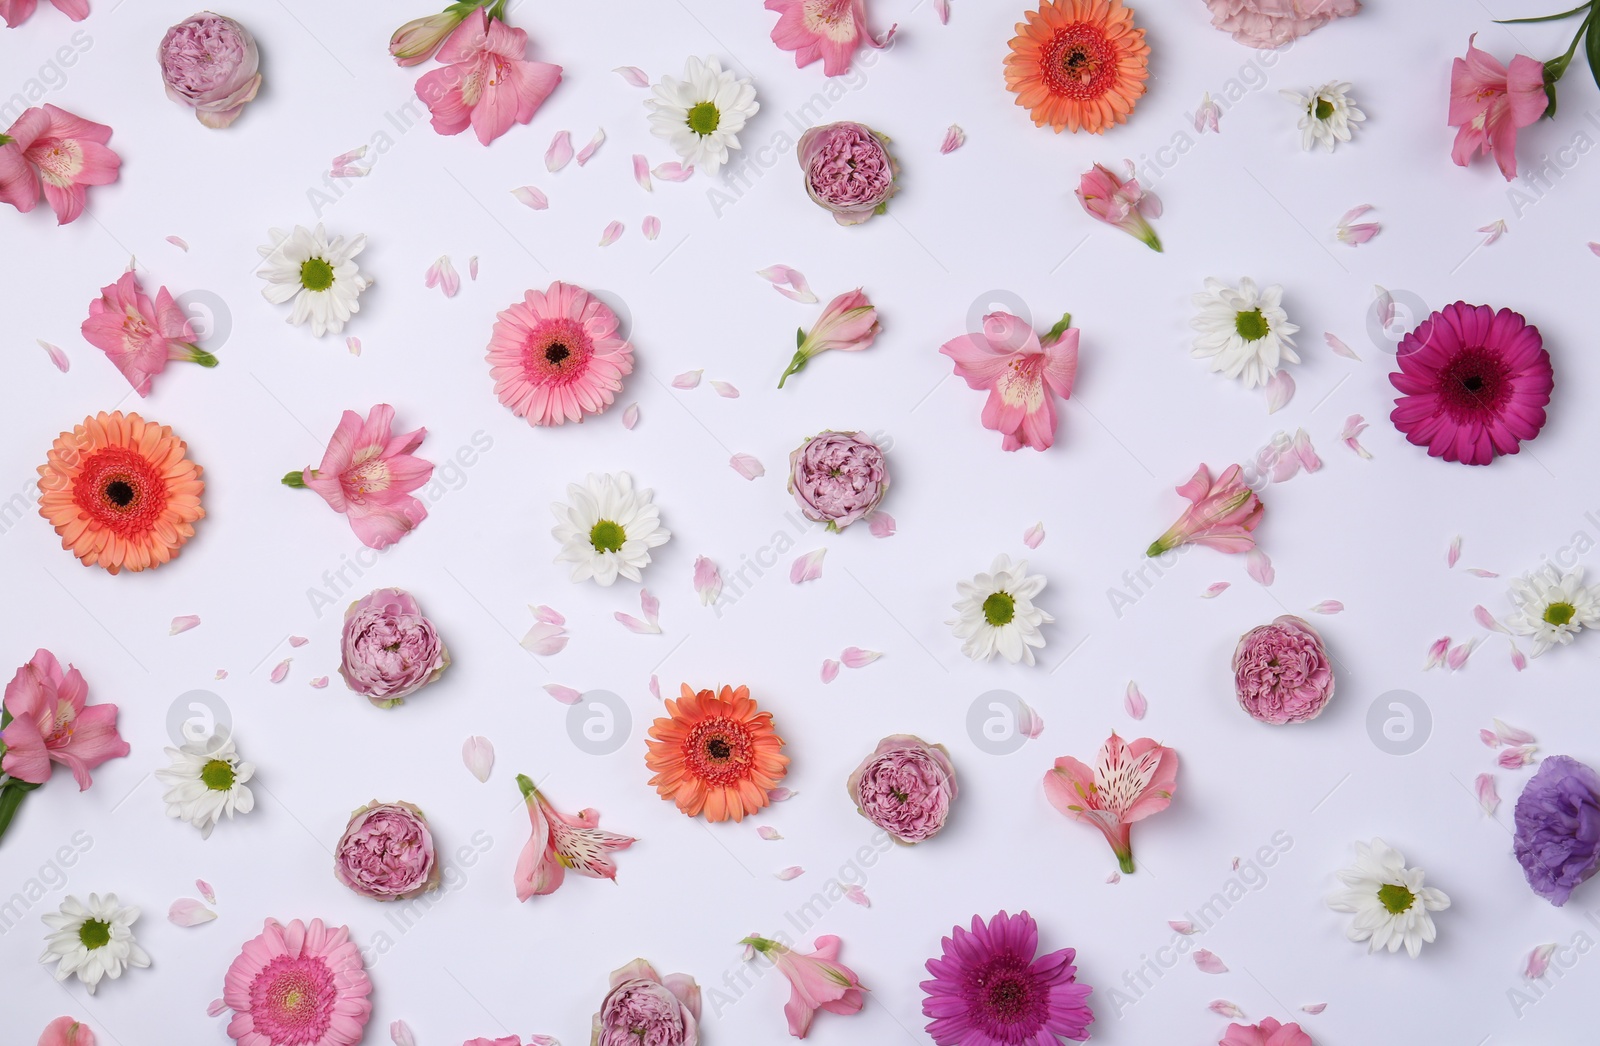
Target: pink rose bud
[(905, 787), (849, 323), (838, 477), (210, 64), (386, 853), (1281, 672), (848, 170), (388, 650)]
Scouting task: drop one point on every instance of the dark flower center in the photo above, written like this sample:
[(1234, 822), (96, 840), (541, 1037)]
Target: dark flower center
[(718, 749), (1006, 998), (120, 493), (556, 352), (1079, 62), (1474, 383), (1323, 108)]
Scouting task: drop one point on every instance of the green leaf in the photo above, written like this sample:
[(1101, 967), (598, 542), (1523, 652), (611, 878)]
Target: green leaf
[(1059, 329), (1592, 46), (1545, 18), (800, 336), (295, 479), (11, 797)]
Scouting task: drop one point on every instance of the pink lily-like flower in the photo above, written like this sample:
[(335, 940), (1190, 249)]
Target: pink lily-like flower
[(70, 153), (486, 82), (1489, 104), (1129, 782), (66, 1031), (19, 179), (1120, 202), (831, 30), (140, 335), (1022, 373), (817, 981), (1221, 515), (52, 722), (368, 475), (15, 12), (849, 323), (560, 843)]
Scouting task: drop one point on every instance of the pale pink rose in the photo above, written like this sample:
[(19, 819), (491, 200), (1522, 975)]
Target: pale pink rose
[(817, 981), (53, 722), (487, 83), (1273, 23), (69, 153), (906, 787), (140, 335), (644, 1007), (848, 170), (1490, 103), (210, 63), (838, 477), (386, 853), (1281, 672), (388, 650)]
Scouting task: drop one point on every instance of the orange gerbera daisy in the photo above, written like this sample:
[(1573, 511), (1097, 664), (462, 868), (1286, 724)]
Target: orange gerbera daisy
[(716, 754), (121, 492), (1078, 64)]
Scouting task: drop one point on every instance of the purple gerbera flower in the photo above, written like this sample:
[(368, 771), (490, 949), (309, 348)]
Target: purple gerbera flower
[(1558, 828), (988, 989)]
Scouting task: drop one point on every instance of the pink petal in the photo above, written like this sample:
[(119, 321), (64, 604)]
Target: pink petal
[(565, 694), (1510, 735), (641, 172), (1594, 248), (1215, 590), (673, 172), (1385, 306), (830, 670), (1339, 347), (1183, 926), (1029, 723), (178, 242), (855, 657), (856, 895), (346, 159), (725, 390), (206, 891), (222, 673), (1279, 391), (650, 605), (1114, 878), (1355, 212), (1488, 796), (1437, 652), (217, 1008), (530, 196), (1494, 229), (630, 416), (807, 567), (400, 1033), (769, 833), (187, 911), (633, 74), (651, 227), (594, 143), (1539, 961), (881, 525), (319, 683), (545, 639), (472, 266), (1457, 658), (792, 872), (298, 641), (1488, 738), (353, 343), (1034, 535), (183, 623), (1480, 572), (478, 754), (1314, 1008), (1208, 962), (687, 380), (1516, 758), (747, 466), (707, 580), (1453, 554), (633, 624), (549, 615), (780, 793), (1328, 606), (942, 9), (1134, 701), (281, 670), (1259, 567), (612, 233), (1224, 1008), (560, 152), (1481, 614), (57, 357), (655, 688), (954, 138), (781, 275)]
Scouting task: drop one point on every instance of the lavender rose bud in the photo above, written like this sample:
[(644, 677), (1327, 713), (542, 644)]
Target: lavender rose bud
[(1281, 672), (645, 1008), (1558, 828), (848, 170), (389, 650), (838, 477), (905, 787), (386, 853), (209, 63)]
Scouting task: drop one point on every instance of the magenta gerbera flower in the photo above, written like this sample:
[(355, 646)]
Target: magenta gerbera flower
[(298, 985), (556, 355), (988, 989), (1474, 383)]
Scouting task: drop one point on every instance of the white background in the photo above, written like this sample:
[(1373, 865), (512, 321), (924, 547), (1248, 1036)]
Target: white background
[(992, 223)]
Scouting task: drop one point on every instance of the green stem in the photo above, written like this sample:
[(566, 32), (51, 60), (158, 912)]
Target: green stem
[(1125, 862), (1546, 18), (796, 365)]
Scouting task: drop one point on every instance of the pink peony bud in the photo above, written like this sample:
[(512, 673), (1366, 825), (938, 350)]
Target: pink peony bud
[(389, 650), (848, 170), (838, 477), (210, 64), (386, 853), (1281, 672), (1122, 203), (905, 787)]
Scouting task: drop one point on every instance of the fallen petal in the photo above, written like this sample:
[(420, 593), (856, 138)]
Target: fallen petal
[(1437, 652), (1215, 590), (531, 197), (187, 911), (206, 891), (281, 670), (1488, 738), (954, 138), (545, 639), (1510, 735), (319, 683), (1481, 614), (1480, 572), (780, 275), (612, 233), (560, 152), (1494, 231), (472, 266), (641, 172), (633, 74), (881, 525), (942, 9), (1328, 606), (1183, 926), (549, 615), (1034, 535), (633, 624), (1454, 552), (353, 343), (1030, 724), (687, 380), (1516, 758), (1339, 347), (1208, 962), (222, 673), (1259, 567), (655, 687), (400, 1033), (1355, 212), (856, 895), (57, 357), (651, 606), (855, 657), (1457, 658), (183, 623), (594, 143), (565, 694), (781, 793), (747, 466), (725, 390), (1301, 445), (1384, 304), (707, 580), (673, 172), (1314, 1008), (807, 567), (1279, 391), (630, 416), (178, 242), (769, 833), (651, 227), (1114, 878), (478, 754), (1488, 795), (1134, 701), (1224, 1008), (1539, 961), (298, 641), (792, 872)]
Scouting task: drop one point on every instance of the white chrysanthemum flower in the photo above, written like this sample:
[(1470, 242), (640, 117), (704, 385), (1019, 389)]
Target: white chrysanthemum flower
[(608, 529), (1390, 903), (318, 273), (1326, 115), (1244, 333), (1553, 610), (702, 114), (998, 615), (203, 785), (93, 941)]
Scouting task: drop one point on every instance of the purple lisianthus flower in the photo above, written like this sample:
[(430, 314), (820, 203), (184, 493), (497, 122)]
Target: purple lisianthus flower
[(389, 650), (838, 477), (905, 787), (210, 64), (1558, 828), (848, 170)]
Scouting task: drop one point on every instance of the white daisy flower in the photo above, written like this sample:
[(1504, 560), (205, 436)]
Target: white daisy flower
[(1244, 333), (206, 783), (1553, 609), (1390, 903), (998, 615), (702, 114), (93, 941), (608, 529), (319, 274), (1326, 115)]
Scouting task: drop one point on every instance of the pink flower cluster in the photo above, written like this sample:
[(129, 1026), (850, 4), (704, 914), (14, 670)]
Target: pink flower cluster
[(388, 648)]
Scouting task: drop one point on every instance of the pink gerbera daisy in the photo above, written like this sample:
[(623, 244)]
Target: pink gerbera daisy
[(298, 985), (1474, 383), (988, 989), (556, 355)]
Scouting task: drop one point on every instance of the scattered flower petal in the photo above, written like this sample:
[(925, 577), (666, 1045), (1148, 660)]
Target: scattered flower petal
[(1494, 229), (1453, 553), (281, 670), (319, 683), (1214, 590), (594, 143), (954, 138), (881, 524), (687, 380), (187, 911), (1517, 757), (478, 754), (781, 793), (1114, 878), (1510, 735), (747, 466), (1208, 116), (1208, 961), (633, 624), (725, 390), (655, 687), (353, 343), (1481, 614), (651, 227), (222, 673), (1259, 567), (560, 152), (1134, 701), (298, 641), (807, 567), (1314, 1008), (942, 9), (529, 196), (1030, 724), (651, 625), (443, 275), (57, 357), (1480, 572), (545, 639), (1328, 606), (856, 895), (1488, 795), (1456, 659), (673, 171), (1224, 1008), (565, 694), (178, 242), (549, 615), (707, 580), (1183, 926), (1354, 426), (1339, 347), (1384, 304), (1034, 535), (472, 267), (641, 172), (612, 233), (792, 872), (855, 657), (783, 278), (1539, 961), (633, 74), (400, 1033), (183, 623), (769, 833), (630, 416), (1279, 391), (206, 891), (1437, 652)]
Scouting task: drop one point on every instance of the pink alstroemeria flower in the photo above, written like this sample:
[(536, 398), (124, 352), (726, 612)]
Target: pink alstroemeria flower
[(849, 323), (70, 154), (1121, 202), (15, 12), (1489, 104), (66, 1031), (1022, 374), (486, 82), (560, 843), (1221, 515), (1268, 1033), (817, 981), (368, 474), (52, 722), (1129, 782), (19, 179), (827, 29), (140, 335)]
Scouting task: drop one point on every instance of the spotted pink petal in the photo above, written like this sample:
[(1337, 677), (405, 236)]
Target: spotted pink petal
[(1539, 961), (594, 143), (725, 390), (1456, 659), (633, 74), (183, 623), (353, 343), (545, 639), (747, 466), (707, 580), (1437, 652), (855, 657), (1453, 553), (1030, 724), (472, 267), (881, 525), (1183, 926), (1224, 1008), (641, 172), (1314, 1008), (216, 1008), (630, 416), (280, 670), (792, 872), (565, 694), (807, 567), (687, 380), (57, 357), (531, 196), (1134, 701), (1279, 391), (1034, 535), (1259, 567), (856, 895), (187, 911), (560, 152), (1328, 606), (1480, 572), (781, 793), (612, 233), (1339, 347), (400, 1034), (673, 171), (954, 138), (651, 226), (206, 891), (1517, 757), (478, 754), (1488, 795), (319, 683), (1208, 961), (782, 278), (1214, 590)]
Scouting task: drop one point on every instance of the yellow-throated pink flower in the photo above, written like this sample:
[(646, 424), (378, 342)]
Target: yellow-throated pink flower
[(560, 843), (1022, 373), (367, 474), (15, 12), (1489, 103), (139, 335), (558, 355), (417, 40), (849, 323), (1222, 514), (1130, 781), (1121, 202), (486, 82), (70, 154), (51, 721), (831, 30), (817, 980)]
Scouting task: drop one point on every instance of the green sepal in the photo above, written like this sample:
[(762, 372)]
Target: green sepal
[(1054, 334), (295, 479)]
